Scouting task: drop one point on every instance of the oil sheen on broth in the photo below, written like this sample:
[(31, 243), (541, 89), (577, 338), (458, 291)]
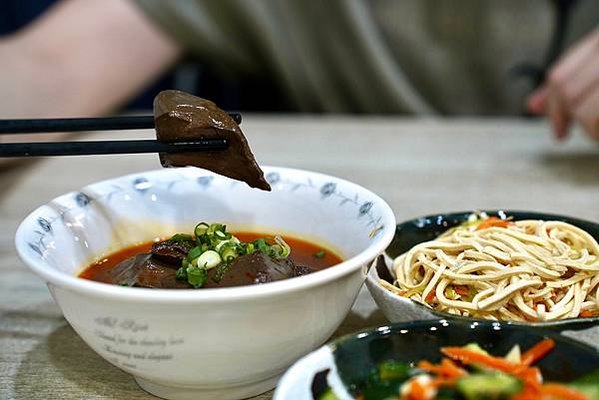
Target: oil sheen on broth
[(159, 264)]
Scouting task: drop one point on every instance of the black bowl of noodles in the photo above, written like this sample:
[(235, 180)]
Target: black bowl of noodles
[(577, 287)]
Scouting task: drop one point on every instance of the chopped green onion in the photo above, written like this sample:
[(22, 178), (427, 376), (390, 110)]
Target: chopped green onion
[(249, 248), (195, 253), (209, 259), (261, 245), (181, 274), (181, 237), (216, 248), (212, 229), (222, 235), (196, 276), (228, 253), (320, 254), (281, 249), (233, 241), (201, 229)]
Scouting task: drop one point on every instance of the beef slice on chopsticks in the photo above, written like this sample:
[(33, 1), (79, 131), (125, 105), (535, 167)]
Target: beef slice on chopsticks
[(182, 117)]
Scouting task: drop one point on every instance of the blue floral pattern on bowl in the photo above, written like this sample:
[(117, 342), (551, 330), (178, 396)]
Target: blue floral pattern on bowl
[(145, 185)]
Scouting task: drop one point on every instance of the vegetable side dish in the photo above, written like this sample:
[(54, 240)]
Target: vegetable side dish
[(490, 268), (211, 257), (470, 373)]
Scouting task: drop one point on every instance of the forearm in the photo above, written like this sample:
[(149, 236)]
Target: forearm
[(83, 58)]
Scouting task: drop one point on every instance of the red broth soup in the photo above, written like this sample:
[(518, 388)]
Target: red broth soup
[(170, 264)]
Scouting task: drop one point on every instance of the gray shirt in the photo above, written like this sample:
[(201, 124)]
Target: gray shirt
[(378, 56)]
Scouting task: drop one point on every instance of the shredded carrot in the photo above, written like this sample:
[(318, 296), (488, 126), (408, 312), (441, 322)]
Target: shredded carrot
[(493, 222), (417, 391), (428, 366), (451, 369), (430, 296), (588, 313), (526, 395), (446, 370), (554, 391), (462, 290), (439, 382), (467, 357), (538, 351), (532, 379)]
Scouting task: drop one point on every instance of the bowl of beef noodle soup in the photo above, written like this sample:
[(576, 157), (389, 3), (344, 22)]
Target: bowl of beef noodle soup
[(200, 286)]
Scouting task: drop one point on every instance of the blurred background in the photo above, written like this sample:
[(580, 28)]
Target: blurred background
[(414, 57), (250, 93)]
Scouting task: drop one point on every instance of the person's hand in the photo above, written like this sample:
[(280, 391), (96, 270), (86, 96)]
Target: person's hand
[(571, 91)]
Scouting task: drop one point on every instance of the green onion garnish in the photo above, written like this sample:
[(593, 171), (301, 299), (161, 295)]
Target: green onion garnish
[(196, 276), (194, 253), (200, 229), (320, 254), (281, 249), (209, 259), (181, 274), (213, 247), (180, 237), (228, 252)]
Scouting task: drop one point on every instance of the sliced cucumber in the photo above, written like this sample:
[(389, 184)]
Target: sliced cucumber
[(495, 386)]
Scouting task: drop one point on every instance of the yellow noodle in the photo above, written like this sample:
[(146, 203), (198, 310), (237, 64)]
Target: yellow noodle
[(529, 270)]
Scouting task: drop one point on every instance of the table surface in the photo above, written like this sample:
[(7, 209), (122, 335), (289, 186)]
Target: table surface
[(419, 166)]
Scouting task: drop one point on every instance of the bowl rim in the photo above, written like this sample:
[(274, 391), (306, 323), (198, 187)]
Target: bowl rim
[(396, 327), (114, 292), (573, 323)]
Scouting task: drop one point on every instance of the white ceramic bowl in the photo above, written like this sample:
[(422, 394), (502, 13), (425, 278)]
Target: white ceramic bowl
[(210, 343)]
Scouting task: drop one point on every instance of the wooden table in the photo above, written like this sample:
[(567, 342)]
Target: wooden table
[(418, 166)]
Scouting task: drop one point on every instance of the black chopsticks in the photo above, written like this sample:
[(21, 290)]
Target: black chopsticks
[(18, 126), (45, 149), (39, 149)]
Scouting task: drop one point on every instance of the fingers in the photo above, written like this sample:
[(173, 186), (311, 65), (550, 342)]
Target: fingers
[(573, 85), (572, 89), (558, 113), (537, 101), (587, 113)]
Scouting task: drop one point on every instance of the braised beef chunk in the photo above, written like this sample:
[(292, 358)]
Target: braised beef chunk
[(251, 269), (180, 116), (158, 269), (145, 270), (172, 252), (154, 274), (301, 270)]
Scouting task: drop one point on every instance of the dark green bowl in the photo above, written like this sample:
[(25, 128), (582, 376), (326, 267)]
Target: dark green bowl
[(346, 363), (413, 341), (410, 233)]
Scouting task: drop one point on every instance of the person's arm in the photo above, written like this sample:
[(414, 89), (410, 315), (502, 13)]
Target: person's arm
[(571, 92), (81, 58)]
